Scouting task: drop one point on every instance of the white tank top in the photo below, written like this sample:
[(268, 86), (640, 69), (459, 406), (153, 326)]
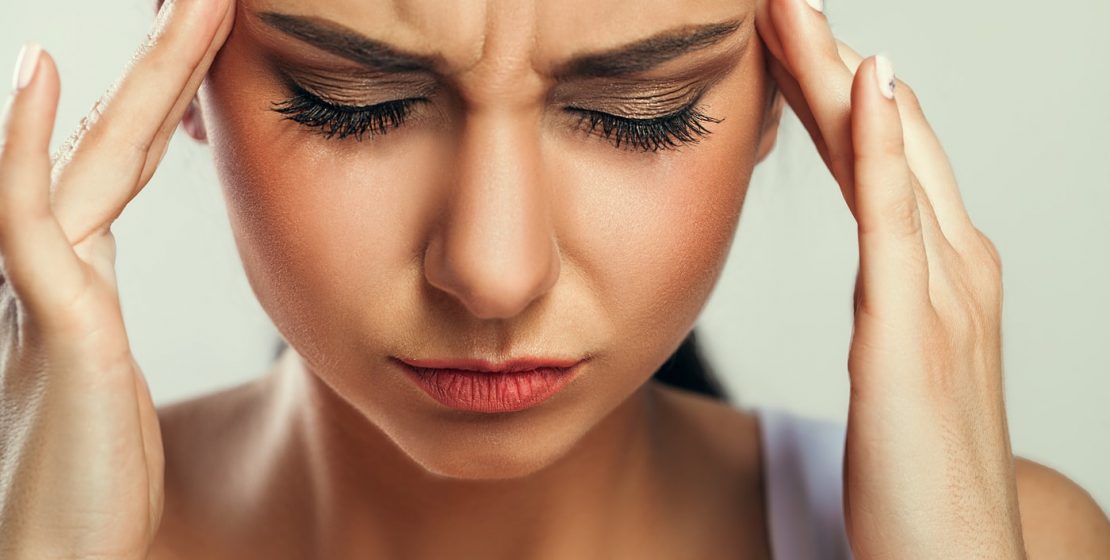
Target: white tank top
[(803, 459)]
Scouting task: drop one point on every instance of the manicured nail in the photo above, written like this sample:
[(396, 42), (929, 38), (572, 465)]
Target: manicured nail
[(25, 67), (818, 5), (884, 74)]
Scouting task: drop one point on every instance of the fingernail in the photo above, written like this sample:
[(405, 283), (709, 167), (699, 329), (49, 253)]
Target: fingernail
[(884, 75), (818, 5), (25, 67)]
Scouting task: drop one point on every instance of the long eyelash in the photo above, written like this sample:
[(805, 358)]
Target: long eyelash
[(334, 120), (685, 126)]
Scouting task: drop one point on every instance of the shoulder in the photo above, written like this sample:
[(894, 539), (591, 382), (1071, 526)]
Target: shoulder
[(1059, 519), (203, 430), (204, 438), (202, 434)]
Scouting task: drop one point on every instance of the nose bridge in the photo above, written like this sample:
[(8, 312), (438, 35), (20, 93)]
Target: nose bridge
[(495, 249)]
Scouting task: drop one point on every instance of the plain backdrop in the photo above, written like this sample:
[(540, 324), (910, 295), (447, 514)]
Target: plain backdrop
[(1018, 92)]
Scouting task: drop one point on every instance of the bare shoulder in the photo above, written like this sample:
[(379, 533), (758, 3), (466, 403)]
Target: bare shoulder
[(187, 420), (203, 434), (1059, 519), (203, 438)]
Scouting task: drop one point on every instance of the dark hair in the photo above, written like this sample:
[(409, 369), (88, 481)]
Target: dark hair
[(687, 368)]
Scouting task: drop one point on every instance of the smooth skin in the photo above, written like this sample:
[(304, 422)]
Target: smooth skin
[(929, 471)]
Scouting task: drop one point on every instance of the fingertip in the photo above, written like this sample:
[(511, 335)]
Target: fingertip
[(884, 75), (48, 84), (29, 114), (25, 65), (885, 200), (876, 124)]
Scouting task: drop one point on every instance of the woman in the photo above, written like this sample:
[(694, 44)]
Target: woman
[(543, 191)]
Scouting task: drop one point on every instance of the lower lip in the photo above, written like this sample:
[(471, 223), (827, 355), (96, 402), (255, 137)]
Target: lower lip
[(478, 391)]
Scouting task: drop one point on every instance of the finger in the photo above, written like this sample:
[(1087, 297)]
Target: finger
[(766, 28), (792, 92), (38, 262), (114, 153), (894, 267), (809, 52), (927, 159)]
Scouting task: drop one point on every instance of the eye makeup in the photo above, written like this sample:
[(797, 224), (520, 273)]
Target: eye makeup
[(643, 114), (632, 113), (340, 100), (353, 89), (651, 134), (685, 126), (337, 120)]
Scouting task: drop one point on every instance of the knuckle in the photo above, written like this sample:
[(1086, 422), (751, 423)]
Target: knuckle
[(986, 263), (904, 216), (991, 249), (970, 317), (961, 323), (13, 149), (15, 153), (890, 148), (963, 318)]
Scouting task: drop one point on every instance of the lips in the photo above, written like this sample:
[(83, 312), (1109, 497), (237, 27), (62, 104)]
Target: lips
[(477, 385)]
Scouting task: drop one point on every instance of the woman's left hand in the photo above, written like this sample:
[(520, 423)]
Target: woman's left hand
[(929, 472)]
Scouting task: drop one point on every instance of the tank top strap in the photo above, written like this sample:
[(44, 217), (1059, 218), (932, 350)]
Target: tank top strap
[(803, 460)]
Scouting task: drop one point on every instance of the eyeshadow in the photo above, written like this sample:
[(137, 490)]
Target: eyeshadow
[(652, 94), (344, 83), (646, 96)]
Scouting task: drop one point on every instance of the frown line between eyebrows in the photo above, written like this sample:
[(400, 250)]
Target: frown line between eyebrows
[(633, 58)]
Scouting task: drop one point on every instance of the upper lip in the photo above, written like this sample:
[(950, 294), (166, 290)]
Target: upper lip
[(527, 363)]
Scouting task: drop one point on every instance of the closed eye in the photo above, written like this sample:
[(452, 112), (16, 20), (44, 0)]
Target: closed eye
[(333, 120), (342, 121), (685, 126)]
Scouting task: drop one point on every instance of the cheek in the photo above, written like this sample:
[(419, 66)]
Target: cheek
[(316, 222), (655, 231), (644, 236), (332, 236)]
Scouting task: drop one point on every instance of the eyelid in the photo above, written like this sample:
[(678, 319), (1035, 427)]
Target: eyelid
[(356, 92), (630, 119), (649, 98), (685, 126)]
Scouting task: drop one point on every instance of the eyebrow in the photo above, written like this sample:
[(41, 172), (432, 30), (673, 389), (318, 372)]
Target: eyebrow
[(645, 54), (632, 58)]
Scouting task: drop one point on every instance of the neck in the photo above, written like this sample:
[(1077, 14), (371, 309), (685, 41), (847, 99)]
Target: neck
[(364, 493)]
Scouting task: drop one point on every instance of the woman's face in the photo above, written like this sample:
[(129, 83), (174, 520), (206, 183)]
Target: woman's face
[(489, 220)]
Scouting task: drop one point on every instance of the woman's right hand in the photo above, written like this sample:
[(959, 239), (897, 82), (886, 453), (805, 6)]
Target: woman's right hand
[(81, 460)]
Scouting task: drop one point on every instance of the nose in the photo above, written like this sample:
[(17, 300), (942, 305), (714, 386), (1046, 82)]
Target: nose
[(495, 249)]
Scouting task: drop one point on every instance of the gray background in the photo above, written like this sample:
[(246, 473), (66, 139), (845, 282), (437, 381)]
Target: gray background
[(1017, 91)]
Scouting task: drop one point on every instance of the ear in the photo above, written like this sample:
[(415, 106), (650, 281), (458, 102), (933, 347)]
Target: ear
[(770, 131), (193, 122)]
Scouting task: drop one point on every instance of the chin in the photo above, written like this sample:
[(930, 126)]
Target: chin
[(477, 466), (476, 453)]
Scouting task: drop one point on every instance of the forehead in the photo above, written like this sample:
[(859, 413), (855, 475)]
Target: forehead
[(470, 32)]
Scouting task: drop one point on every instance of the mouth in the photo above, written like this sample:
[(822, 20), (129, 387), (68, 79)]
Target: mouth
[(476, 385)]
